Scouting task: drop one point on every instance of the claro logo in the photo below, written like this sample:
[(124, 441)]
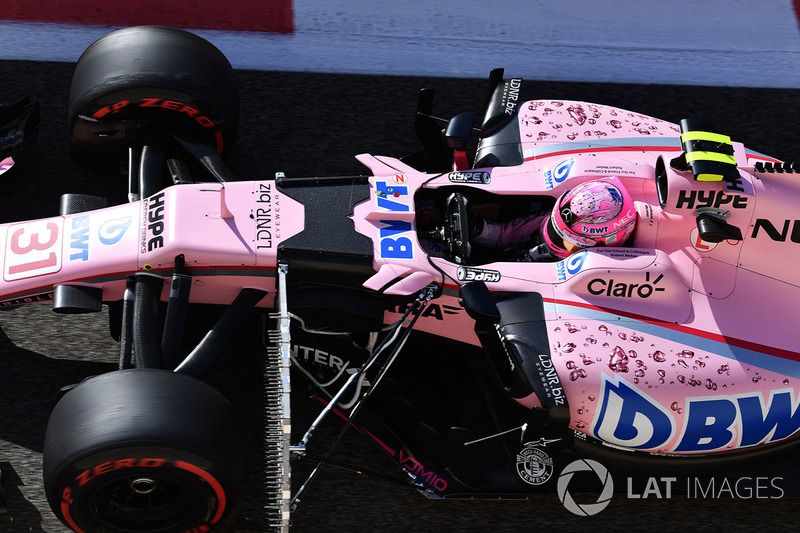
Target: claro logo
[(621, 289)]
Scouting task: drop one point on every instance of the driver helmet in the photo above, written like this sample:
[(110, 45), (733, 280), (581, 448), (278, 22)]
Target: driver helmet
[(594, 213)]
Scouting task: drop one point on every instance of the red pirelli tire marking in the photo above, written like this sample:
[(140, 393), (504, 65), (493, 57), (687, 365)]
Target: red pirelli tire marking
[(66, 501), (213, 483), (148, 462), (172, 105)]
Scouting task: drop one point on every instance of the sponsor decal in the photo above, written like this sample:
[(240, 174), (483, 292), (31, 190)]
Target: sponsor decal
[(416, 468), (33, 249), (152, 223), (399, 178), (571, 265), (566, 214), (558, 174), (393, 243), (735, 183), (648, 214), (715, 199), (624, 220), (263, 216), (534, 466), (479, 178), (319, 357), (32, 299), (433, 309), (777, 233), (477, 274), (628, 417), (511, 95), (112, 231), (699, 244), (548, 377), (620, 289), (79, 238), (391, 197)]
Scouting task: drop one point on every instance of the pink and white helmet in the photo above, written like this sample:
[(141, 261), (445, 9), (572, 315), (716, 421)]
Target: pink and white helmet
[(594, 213)]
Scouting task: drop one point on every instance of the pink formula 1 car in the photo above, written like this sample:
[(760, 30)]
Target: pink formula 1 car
[(478, 375)]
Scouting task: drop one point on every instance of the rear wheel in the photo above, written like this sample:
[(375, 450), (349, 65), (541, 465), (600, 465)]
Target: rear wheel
[(141, 450), (148, 78)]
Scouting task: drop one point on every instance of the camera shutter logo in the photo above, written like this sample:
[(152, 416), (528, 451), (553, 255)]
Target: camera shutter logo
[(585, 465)]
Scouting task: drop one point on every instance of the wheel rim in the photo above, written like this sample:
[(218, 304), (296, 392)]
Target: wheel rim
[(170, 464), (143, 503)]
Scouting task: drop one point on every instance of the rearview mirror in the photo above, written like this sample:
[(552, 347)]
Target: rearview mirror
[(458, 130)]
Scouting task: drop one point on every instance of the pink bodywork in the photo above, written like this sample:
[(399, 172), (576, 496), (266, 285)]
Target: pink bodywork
[(670, 345), (227, 234)]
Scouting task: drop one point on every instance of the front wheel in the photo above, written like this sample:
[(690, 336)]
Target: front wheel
[(152, 78), (141, 450)]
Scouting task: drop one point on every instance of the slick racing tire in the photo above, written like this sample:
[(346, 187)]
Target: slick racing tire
[(141, 450), (148, 77)]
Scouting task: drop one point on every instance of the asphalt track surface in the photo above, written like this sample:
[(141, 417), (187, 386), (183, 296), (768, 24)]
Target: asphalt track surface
[(311, 124)]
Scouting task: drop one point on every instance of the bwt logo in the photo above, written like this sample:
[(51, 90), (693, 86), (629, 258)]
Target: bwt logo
[(558, 174), (112, 231), (628, 417), (571, 265), (393, 244), (391, 197)]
